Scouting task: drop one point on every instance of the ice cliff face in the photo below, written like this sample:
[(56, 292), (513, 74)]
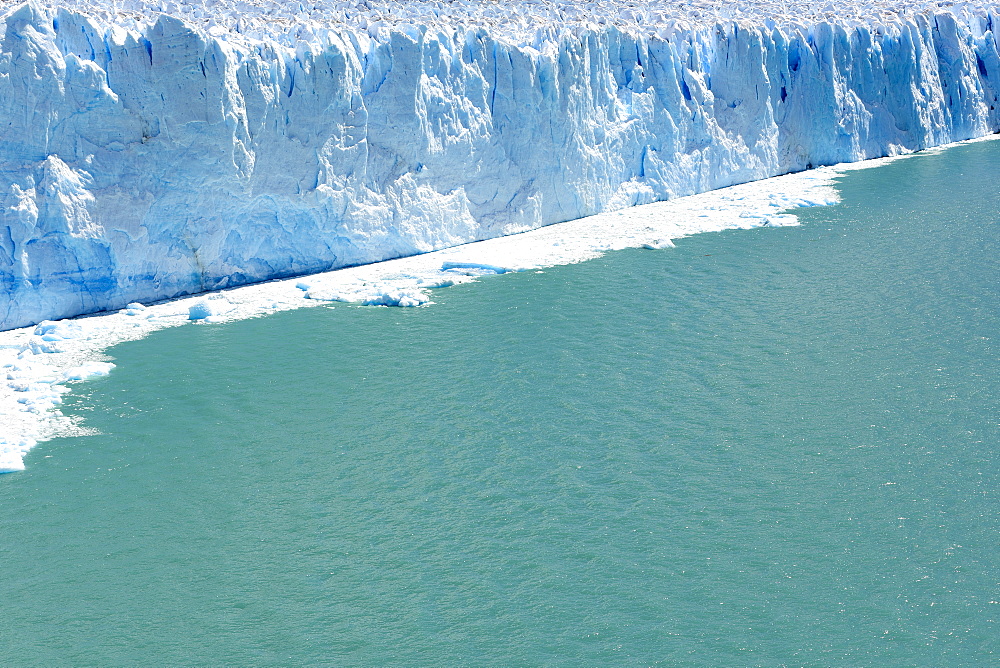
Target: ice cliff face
[(144, 159)]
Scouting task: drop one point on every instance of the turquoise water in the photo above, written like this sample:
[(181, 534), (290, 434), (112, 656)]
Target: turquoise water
[(768, 447)]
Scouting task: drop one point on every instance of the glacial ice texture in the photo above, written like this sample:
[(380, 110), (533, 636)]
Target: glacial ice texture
[(145, 156)]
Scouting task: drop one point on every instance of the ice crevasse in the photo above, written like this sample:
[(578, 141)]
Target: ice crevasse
[(158, 156)]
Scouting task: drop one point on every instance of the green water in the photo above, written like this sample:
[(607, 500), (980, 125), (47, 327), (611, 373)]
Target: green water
[(769, 447)]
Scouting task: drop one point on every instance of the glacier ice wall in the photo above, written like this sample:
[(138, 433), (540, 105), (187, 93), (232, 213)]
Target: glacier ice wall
[(144, 162)]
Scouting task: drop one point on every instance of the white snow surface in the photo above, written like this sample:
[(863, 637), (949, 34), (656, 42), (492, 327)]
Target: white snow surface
[(36, 363), (518, 21), (151, 150)]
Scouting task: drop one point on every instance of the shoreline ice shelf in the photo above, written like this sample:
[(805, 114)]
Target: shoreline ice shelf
[(151, 150)]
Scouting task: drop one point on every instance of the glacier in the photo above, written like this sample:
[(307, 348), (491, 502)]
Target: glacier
[(152, 150)]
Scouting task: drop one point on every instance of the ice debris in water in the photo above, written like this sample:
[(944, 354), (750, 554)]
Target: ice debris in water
[(134, 308), (36, 363), (88, 370), (473, 268), (209, 309)]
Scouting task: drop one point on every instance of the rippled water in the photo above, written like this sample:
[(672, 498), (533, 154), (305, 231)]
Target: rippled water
[(768, 447)]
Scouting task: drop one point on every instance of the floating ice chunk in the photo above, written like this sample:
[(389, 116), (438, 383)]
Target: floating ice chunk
[(24, 368), (11, 461), (374, 296), (438, 282), (48, 330), (200, 310), (782, 220), (399, 298), (209, 308), (89, 370), (332, 296), (135, 308), (474, 268), (36, 346)]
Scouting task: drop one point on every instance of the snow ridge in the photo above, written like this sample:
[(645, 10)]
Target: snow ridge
[(147, 156)]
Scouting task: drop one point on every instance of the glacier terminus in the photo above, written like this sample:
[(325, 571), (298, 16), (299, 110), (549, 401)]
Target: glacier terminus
[(156, 149)]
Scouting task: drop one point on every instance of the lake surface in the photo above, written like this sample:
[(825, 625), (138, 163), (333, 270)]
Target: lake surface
[(767, 447)]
